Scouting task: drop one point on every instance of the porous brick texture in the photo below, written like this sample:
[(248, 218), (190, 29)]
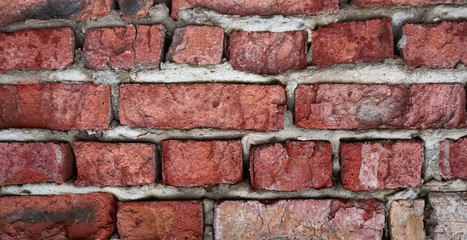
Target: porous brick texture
[(132, 9), (448, 216), (325, 219), (67, 216), (453, 158), (406, 219), (55, 106), (201, 163), (36, 49), (115, 163), (291, 166), (160, 220), (368, 3), (222, 106), (381, 164), (35, 162)]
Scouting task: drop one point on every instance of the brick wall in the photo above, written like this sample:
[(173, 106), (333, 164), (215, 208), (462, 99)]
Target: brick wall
[(197, 119)]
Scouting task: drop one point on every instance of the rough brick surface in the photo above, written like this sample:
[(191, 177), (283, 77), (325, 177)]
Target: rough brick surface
[(368, 3), (356, 106), (291, 166), (201, 163), (406, 219), (197, 45), (267, 52), (255, 7), (299, 219), (132, 9), (448, 217), (36, 49), (68, 216), (366, 41), (18, 10), (35, 162), (55, 106), (441, 46), (124, 47), (453, 158), (223, 106), (381, 164), (115, 163), (160, 220)]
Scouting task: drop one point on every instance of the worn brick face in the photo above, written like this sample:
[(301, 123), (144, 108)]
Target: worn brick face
[(448, 216), (453, 158), (201, 163), (36, 49), (55, 106), (68, 216), (132, 9), (221, 106), (406, 219), (368, 3), (291, 166)]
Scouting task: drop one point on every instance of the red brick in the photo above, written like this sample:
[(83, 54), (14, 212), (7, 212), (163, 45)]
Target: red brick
[(381, 164), (440, 46), (406, 219), (201, 163), (124, 47), (299, 219), (368, 3), (160, 220), (19, 10), (222, 106), (453, 158), (55, 106), (37, 49), (253, 7), (356, 106), (68, 216), (132, 9), (35, 162), (366, 41), (267, 52), (197, 45), (115, 163), (291, 166)]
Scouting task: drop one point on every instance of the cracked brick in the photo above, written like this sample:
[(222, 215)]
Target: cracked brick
[(453, 158)]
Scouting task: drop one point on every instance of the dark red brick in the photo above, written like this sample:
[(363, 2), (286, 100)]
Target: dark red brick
[(132, 9), (115, 163), (356, 106), (160, 220), (366, 41), (368, 3), (222, 106), (35, 162), (68, 216), (453, 158), (19, 10), (197, 45), (201, 163), (253, 7), (440, 46), (268, 52), (291, 166), (37, 49), (381, 164), (124, 47), (55, 106)]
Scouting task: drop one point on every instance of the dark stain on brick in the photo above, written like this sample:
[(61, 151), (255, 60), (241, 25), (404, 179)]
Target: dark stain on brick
[(81, 214), (55, 9), (132, 7)]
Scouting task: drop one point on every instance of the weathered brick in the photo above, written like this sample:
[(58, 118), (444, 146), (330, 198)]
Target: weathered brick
[(55, 106), (201, 163), (197, 45), (448, 216), (68, 216), (35, 162), (381, 164), (299, 219), (268, 52), (357, 106), (440, 46), (368, 3), (254, 7), (19, 10), (366, 41), (453, 158), (132, 9), (406, 219), (115, 163), (222, 106), (291, 166), (124, 47), (37, 49), (160, 220)]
